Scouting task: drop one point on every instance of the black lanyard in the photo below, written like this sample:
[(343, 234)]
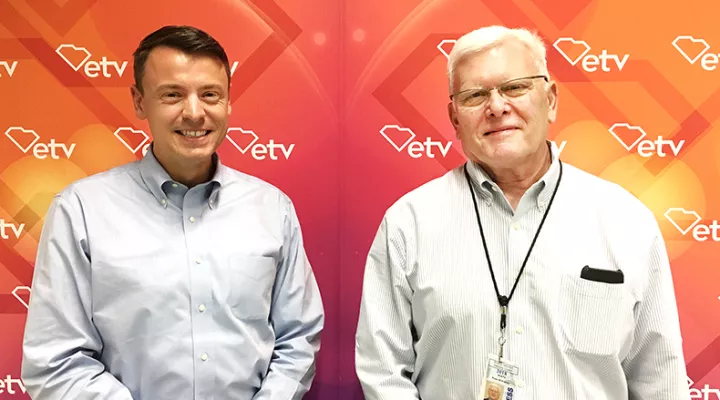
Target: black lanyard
[(505, 300)]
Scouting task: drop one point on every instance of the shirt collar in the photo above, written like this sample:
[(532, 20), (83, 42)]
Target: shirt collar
[(541, 190), (154, 176)]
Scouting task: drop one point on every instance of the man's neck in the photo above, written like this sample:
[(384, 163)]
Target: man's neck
[(515, 181), (189, 175)]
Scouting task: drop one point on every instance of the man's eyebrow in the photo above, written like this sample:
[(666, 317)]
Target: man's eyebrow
[(211, 86), (169, 86), (178, 86)]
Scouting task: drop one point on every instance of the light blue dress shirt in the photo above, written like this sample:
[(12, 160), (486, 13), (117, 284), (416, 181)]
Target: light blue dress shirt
[(147, 290)]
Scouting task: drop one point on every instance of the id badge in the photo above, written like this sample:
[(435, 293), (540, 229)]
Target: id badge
[(501, 380)]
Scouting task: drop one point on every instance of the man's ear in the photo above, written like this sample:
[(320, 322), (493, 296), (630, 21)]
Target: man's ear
[(453, 118), (552, 99), (137, 99)]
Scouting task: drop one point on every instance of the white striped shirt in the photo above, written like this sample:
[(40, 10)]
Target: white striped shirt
[(429, 314)]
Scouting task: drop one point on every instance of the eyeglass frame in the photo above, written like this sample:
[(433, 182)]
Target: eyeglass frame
[(499, 85)]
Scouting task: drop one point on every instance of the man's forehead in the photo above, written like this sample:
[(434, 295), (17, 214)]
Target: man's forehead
[(165, 63), (164, 57), (494, 65)]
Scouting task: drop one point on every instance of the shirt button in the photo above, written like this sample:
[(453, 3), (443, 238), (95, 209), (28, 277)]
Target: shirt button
[(198, 260), (516, 226), (202, 308), (519, 330), (192, 219), (174, 185), (163, 201), (204, 357)]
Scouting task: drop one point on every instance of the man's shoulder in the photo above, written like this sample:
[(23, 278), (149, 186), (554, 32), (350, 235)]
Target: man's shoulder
[(606, 197), (238, 184), (593, 186), (431, 195), (95, 185)]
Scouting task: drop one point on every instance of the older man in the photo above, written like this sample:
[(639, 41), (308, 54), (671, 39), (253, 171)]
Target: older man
[(516, 266)]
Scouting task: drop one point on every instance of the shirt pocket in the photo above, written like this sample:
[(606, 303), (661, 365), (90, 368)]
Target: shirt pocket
[(251, 283), (592, 315)]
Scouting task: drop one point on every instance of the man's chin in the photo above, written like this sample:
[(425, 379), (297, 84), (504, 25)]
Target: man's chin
[(502, 158), (198, 154)]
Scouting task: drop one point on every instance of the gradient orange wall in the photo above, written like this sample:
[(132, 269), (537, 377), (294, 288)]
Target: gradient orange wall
[(353, 90)]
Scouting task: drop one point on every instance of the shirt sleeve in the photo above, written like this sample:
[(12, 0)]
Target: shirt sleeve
[(297, 316), (384, 357), (61, 346), (655, 366)]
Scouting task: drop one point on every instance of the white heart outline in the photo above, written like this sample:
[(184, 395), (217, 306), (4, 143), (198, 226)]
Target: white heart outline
[(693, 40), (13, 128), (399, 149), (442, 42), (18, 296), (73, 66), (569, 39), (632, 128), (244, 132), (135, 150), (685, 212)]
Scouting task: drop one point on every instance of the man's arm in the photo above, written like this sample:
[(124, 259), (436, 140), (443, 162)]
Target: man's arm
[(384, 356), (298, 318), (61, 344), (655, 366)]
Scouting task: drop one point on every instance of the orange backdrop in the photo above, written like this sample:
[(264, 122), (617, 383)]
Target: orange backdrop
[(342, 104)]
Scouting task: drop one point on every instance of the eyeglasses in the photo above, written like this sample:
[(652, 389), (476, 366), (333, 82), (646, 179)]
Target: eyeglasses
[(509, 90)]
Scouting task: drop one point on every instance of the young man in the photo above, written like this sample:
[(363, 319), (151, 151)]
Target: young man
[(174, 277)]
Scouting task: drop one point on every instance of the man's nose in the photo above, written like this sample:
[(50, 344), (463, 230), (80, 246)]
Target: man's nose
[(497, 105), (193, 109)]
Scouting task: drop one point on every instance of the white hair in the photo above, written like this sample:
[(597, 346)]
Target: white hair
[(487, 37)]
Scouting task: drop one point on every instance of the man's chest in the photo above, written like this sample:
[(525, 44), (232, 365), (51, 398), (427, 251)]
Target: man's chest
[(459, 276)]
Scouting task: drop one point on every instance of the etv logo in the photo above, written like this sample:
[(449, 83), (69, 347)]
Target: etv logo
[(77, 57), (22, 294), (704, 393), (133, 139), (12, 385), (575, 50), (693, 49), (629, 136), (401, 138), (7, 68), (26, 139), (245, 140), (15, 229), (689, 220), (446, 46)]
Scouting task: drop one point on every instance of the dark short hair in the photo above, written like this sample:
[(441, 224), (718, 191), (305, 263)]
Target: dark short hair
[(188, 39)]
